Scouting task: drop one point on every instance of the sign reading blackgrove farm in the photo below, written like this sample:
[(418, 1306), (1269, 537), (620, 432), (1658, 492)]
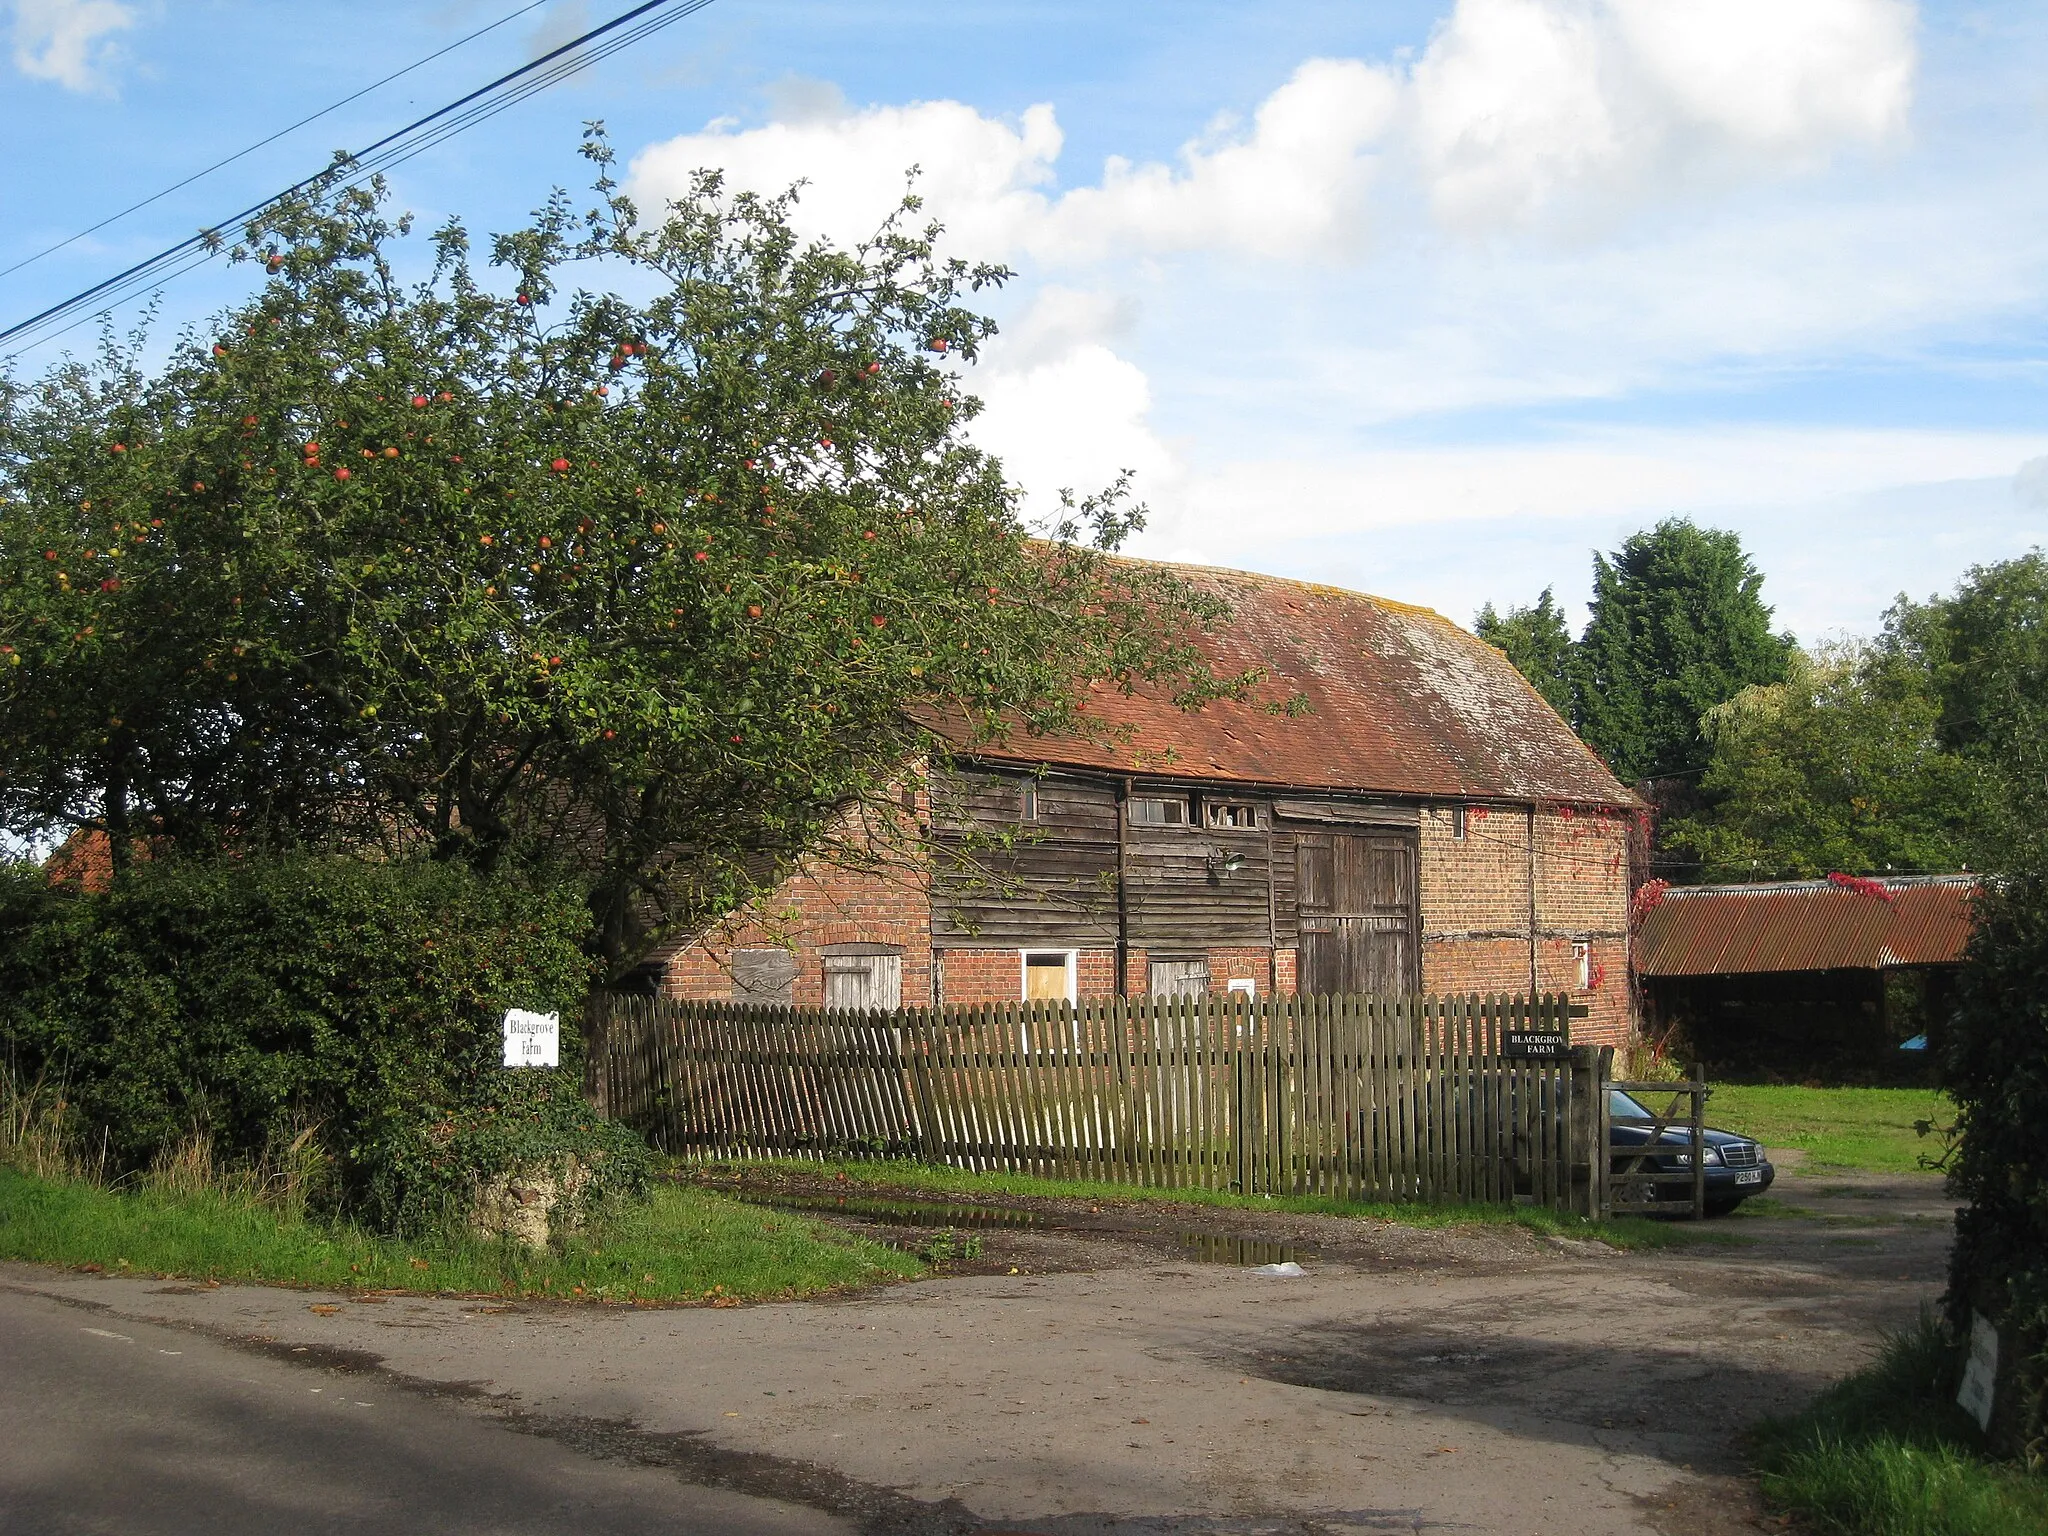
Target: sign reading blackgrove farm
[(1550, 1043), (532, 1039)]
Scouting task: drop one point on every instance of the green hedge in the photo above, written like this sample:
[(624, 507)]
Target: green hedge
[(1994, 1055), (254, 998)]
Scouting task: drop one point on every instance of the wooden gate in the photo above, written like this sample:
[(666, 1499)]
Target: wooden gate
[(1361, 1098), (1637, 1184)]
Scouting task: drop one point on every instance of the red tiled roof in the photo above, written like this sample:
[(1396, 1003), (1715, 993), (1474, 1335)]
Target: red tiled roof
[(1402, 701), (84, 859), (1805, 925)]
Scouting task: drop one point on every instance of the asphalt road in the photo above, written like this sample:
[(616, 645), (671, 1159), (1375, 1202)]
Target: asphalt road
[(110, 1425)]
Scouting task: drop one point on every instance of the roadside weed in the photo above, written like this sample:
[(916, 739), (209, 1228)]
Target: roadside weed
[(1887, 1453), (681, 1245)]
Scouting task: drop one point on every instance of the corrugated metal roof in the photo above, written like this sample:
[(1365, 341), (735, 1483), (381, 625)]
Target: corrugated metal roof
[(1805, 925), (1402, 701)]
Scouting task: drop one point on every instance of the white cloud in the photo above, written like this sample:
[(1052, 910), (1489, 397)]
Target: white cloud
[(1064, 409), (1525, 107), (1296, 185), (2030, 485), (67, 40), (1839, 521), (1666, 136), (983, 177), (1515, 110), (563, 23), (1638, 473)]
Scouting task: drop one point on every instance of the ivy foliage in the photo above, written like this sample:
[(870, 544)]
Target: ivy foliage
[(262, 1001), (516, 571), (1994, 1058)]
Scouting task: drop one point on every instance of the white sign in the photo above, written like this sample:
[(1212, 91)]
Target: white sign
[(532, 1039), (1980, 1376)]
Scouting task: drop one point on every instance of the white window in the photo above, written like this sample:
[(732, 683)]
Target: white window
[(1049, 976), (1582, 961), (1458, 823), (863, 976), (1157, 811), (1027, 809), (1224, 813)]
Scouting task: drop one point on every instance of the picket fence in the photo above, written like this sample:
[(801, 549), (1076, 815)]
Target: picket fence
[(1361, 1098)]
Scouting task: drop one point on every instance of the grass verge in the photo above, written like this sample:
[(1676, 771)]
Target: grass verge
[(1888, 1453), (1869, 1128), (926, 1178), (682, 1245)]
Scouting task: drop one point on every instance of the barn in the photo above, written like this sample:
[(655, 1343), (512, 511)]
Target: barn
[(1396, 810)]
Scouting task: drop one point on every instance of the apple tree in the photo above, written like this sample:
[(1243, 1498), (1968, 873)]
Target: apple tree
[(641, 578)]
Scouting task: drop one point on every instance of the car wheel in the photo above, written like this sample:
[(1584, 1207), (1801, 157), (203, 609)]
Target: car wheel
[(1723, 1207)]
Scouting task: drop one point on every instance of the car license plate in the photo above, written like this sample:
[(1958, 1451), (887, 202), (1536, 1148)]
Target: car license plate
[(1749, 1176)]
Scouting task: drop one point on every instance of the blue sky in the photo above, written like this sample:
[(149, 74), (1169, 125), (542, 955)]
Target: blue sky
[(1426, 299)]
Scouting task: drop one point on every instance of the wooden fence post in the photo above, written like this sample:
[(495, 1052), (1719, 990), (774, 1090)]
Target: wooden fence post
[(1586, 1135)]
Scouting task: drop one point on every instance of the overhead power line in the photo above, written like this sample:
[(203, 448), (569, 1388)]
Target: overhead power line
[(176, 186), (486, 102)]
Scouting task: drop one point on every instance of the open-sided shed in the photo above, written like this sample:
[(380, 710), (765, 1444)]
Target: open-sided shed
[(1804, 978)]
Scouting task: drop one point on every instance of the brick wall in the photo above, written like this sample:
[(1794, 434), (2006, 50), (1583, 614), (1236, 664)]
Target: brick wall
[(880, 894), (997, 975), (1476, 910)]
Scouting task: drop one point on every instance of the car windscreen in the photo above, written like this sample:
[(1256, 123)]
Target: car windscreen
[(1621, 1107)]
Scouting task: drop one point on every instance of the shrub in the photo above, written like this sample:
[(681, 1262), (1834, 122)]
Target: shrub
[(1994, 1058), (426, 1165), (250, 1000)]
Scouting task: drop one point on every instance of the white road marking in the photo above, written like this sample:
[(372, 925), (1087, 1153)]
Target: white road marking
[(101, 1333)]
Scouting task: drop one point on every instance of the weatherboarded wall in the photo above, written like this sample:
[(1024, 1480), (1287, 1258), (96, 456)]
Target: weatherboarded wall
[(977, 888)]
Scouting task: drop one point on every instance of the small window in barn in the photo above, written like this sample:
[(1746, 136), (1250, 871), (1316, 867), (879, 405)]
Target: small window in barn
[(1180, 978), (1458, 823), (1028, 802), (1049, 976), (1156, 811), (762, 975), (1582, 961), (1224, 813), (863, 976)]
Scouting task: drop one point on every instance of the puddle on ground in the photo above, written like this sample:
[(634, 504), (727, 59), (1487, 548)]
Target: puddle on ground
[(896, 1213), (1221, 1248), (1202, 1247)]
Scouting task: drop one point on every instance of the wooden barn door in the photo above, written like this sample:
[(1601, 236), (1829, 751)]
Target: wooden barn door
[(1357, 905)]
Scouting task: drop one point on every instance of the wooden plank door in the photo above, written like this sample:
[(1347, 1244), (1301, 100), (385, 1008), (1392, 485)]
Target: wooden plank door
[(1357, 910), (863, 983)]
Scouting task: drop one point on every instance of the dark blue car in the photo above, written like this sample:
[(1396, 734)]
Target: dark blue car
[(1736, 1167)]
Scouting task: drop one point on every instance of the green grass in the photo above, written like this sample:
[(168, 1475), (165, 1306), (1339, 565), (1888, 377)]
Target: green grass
[(1627, 1232), (682, 1245), (1868, 1128), (1887, 1453)]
